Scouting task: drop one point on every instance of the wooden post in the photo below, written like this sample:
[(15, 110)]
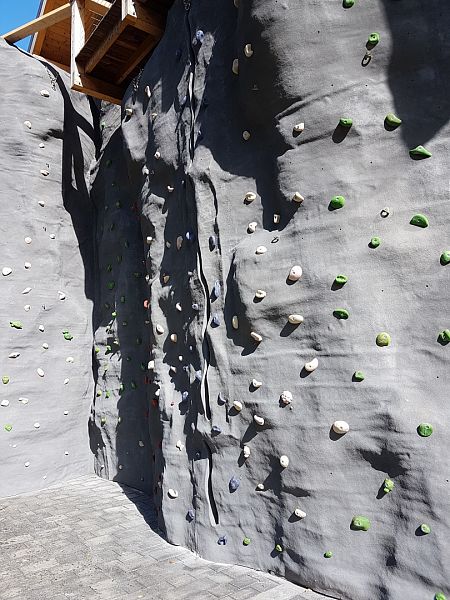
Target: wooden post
[(78, 38)]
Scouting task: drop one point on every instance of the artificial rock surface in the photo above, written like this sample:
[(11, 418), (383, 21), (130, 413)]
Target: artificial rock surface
[(195, 140)]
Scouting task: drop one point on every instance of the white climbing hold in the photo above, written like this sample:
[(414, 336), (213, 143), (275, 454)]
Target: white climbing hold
[(6, 271), (151, 365), (256, 336), (52, 236), (235, 322), (37, 425), (248, 51), (27, 124), (252, 227), (28, 240), (286, 397), (44, 173), (40, 372), (385, 212), (297, 197), (23, 400), (14, 355), (295, 319), (66, 412), (41, 203), (235, 67), (237, 405), (41, 145), (170, 188), (246, 451), (70, 359), (172, 493), (159, 329), (145, 170), (66, 453), (45, 346), (284, 461), (62, 295), (27, 265), (27, 464), (249, 197), (4, 403), (157, 155), (299, 127), (179, 445), (149, 239), (45, 93), (260, 487), (341, 427), (168, 244), (259, 420), (26, 290), (27, 307), (179, 242), (295, 273), (260, 294), (276, 219), (300, 514), (141, 443), (41, 328), (256, 384), (261, 250), (128, 111), (120, 467), (246, 135), (312, 365), (148, 91), (173, 337), (66, 381), (178, 307)]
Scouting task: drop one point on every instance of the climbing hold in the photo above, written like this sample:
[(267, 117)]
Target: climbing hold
[(286, 397), (284, 461), (358, 376), (28, 240), (341, 427), (341, 279), (260, 487), (383, 339), (159, 329), (217, 289), (425, 429), (216, 429), (26, 290), (237, 405), (111, 285), (235, 322), (27, 265), (375, 242), (312, 365), (440, 596), (199, 36), (27, 307), (173, 337), (360, 523), (252, 227), (328, 554), (300, 514), (419, 221), (235, 67), (444, 336), (37, 425), (249, 197), (388, 486), (27, 124), (259, 420), (385, 212), (278, 548), (256, 336), (234, 483), (276, 219), (392, 121), (157, 155), (348, 3), (246, 451), (8, 427), (172, 493), (297, 197), (41, 328), (40, 372), (295, 273), (6, 271), (299, 127), (246, 541), (52, 236), (128, 111), (23, 400), (295, 319), (215, 321), (445, 258), (69, 359), (248, 51), (45, 93), (222, 540), (62, 295), (27, 464), (5, 379), (336, 202), (419, 152), (44, 173), (260, 294), (4, 403), (246, 135), (45, 346), (256, 384), (341, 313), (373, 40), (14, 355), (344, 122)]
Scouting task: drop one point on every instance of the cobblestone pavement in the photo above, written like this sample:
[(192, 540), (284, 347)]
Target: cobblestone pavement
[(90, 539)]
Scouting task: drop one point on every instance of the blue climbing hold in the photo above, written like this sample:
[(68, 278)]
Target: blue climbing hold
[(190, 236), (199, 36), (215, 429), (198, 375), (217, 289), (215, 321), (195, 306), (190, 514), (222, 540), (185, 396), (234, 484)]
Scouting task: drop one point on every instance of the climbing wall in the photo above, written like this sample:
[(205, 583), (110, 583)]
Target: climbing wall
[(46, 276), (290, 162)]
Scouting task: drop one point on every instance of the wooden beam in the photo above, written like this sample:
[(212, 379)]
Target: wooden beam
[(43, 22), (142, 17), (99, 89), (77, 39), (100, 7), (140, 53), (104, 46), (38, 38)]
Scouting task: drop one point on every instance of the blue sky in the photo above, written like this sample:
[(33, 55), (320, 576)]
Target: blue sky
[(17, 12)]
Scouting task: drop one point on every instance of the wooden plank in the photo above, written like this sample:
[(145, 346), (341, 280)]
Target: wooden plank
[(101, 50), (99, 7), (77, 40), (99, 89), (145, 19), (139, 55), (43, 22)]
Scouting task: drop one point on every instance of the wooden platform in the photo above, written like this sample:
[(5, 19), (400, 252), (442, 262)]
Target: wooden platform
[(102, 43)]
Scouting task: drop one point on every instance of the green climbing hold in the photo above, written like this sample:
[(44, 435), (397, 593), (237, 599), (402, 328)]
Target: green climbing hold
[(419, 221), (98, 393), (360, 523), (444, 336), (246, 541), (278, 548), (118, 205), (108, 394), (108, 348), (425, 529), (67, 335), (8, 427), (328, 554), (440, 596), (425, 429), (111, 285), (103, 420), (341, 313), (122, 299), (445, 258), (358, 376), (16, 324), (344, 122), (96, 350), (375, 242), (113, 314), (337, 202), (383, 339), (341, 279), (419, 152), (392, 121), (5, 379), (373, 40), (388, 486), (348, 3), (121, 388)]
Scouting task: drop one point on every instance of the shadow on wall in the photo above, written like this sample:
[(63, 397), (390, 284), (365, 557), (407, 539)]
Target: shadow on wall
[(418, 70)]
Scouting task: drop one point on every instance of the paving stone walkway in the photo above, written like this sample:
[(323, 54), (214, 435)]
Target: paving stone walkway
[(91, 539)]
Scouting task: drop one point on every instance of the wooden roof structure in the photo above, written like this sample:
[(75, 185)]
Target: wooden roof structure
[(101, 43)]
